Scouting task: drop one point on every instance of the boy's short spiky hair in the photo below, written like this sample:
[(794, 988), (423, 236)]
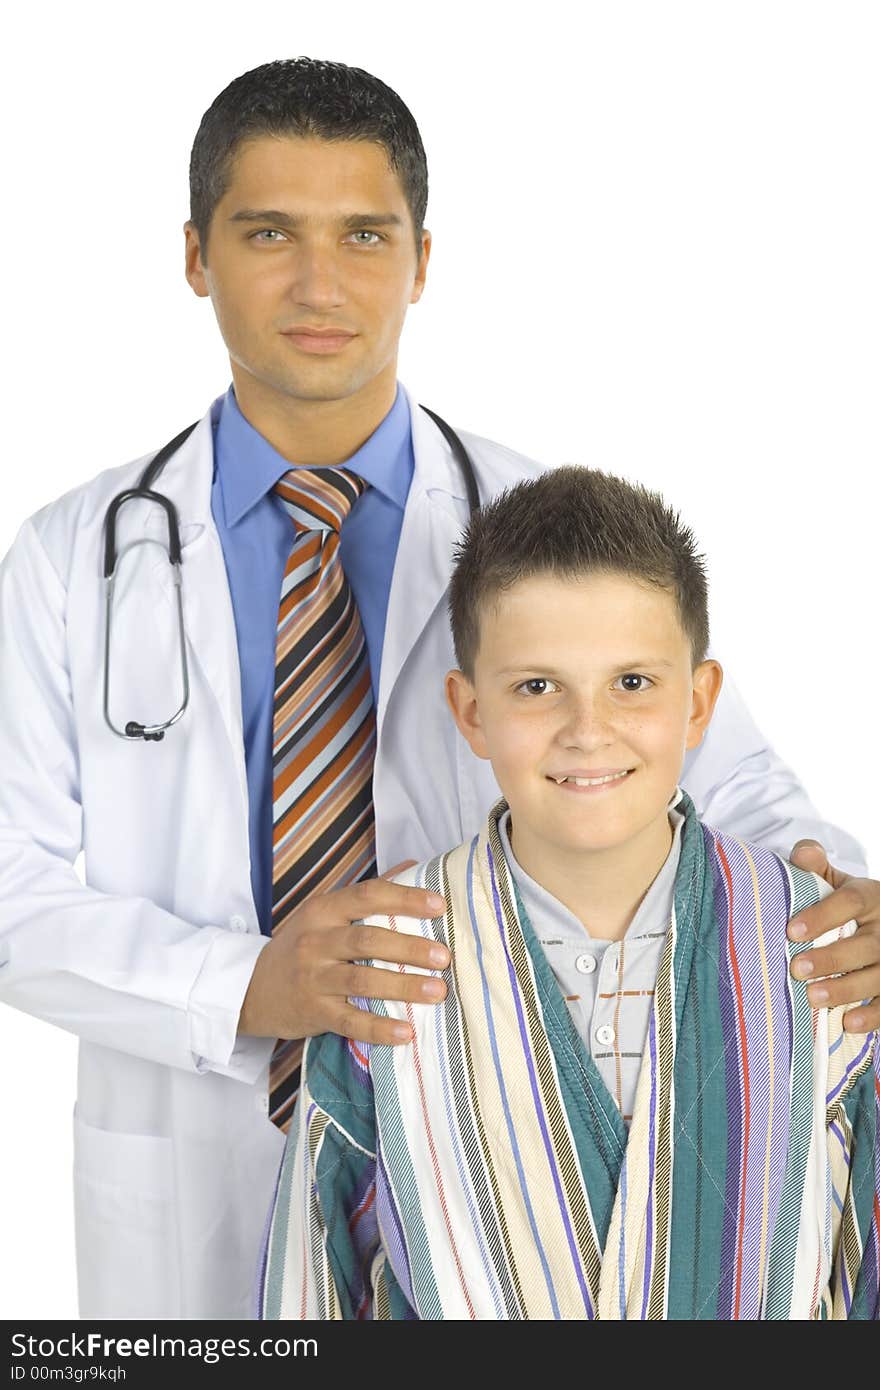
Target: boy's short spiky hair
[(304, 97), (571, 522)]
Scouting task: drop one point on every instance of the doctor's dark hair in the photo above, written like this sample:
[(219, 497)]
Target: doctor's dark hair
[(304, 97), (571, 522)]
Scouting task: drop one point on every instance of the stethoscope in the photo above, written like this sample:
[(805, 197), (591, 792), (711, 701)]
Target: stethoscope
[(145, 491)]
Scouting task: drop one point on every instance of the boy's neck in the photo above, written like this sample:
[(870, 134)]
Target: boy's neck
[(603, 888)]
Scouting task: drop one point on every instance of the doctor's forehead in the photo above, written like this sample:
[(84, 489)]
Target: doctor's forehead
[(290, 174)]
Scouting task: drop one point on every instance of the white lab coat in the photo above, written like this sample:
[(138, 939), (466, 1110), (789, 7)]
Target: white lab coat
[(149, 960)]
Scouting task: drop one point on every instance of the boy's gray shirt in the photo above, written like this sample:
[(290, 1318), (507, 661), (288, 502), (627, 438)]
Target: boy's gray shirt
[(607, 985)]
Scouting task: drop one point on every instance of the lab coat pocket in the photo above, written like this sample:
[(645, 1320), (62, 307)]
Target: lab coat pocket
[(126, 1237)]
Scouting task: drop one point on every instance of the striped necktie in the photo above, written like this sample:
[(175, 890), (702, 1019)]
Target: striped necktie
[(324, 738)]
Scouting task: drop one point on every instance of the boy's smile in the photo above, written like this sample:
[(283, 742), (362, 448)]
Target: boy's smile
[(593, 781), (584, 697)]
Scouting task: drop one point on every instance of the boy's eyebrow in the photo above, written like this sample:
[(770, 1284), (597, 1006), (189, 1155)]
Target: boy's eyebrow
[(653, 663), (350, 222)]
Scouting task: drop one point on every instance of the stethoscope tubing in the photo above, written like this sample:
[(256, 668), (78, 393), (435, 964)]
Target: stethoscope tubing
[(145, 491)]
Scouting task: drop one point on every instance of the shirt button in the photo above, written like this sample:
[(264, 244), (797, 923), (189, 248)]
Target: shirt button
[(238, 923), (605, 1035), (585, 964), (263, 1103)]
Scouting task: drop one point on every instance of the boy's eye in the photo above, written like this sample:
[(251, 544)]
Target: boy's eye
[(633, 683), (539, 686)]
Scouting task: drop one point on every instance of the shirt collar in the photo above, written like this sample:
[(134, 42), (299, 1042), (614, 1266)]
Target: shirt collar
[(248, 466), (546, 911)]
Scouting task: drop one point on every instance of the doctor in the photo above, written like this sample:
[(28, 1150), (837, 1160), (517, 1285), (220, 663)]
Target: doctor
[(309, 187)]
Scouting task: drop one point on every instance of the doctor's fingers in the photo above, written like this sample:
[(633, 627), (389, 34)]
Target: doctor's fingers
[(327, 956), (361, 1026), (859, 987), (360, 981), (849, 957), (373, 897)]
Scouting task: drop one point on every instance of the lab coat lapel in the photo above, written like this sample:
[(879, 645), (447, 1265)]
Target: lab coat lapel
[(435, 515), (212, 647)]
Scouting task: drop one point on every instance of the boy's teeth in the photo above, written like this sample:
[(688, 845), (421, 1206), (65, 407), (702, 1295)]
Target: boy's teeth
[(591, 781)]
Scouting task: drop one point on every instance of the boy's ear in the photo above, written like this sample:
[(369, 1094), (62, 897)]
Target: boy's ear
[(462, 700), (708, 677)]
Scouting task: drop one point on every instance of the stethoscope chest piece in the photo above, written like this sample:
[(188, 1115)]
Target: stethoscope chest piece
[(133, 729), (154, 733)]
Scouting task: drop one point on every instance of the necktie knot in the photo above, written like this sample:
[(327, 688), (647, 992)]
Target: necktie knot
[(319, 499)]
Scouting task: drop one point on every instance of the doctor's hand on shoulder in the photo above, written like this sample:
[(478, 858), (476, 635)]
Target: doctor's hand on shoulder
[(304, 977), (848, 970)]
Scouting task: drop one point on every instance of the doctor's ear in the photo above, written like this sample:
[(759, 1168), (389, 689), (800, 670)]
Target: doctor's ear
[(462, 700), (421, 269), (195, 265)]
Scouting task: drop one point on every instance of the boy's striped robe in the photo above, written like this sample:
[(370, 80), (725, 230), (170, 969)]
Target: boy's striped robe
[(484, 1171)]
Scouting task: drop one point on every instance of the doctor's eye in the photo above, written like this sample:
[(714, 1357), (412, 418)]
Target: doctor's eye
[(539, 685), (265, 233), (633, 683), (364, 232)]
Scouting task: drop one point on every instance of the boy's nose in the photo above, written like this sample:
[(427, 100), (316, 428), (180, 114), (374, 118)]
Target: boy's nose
[(588, 725)]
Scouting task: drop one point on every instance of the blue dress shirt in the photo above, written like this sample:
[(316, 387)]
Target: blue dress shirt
[(257, 535)]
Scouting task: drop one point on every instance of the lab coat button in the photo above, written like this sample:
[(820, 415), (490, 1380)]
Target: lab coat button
[(238, 923), (605, 1035), (585, 964)]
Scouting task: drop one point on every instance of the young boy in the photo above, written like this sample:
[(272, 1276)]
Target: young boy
[(626, 1107)]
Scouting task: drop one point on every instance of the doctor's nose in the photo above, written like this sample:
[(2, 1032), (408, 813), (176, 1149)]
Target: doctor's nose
[(317, 283)]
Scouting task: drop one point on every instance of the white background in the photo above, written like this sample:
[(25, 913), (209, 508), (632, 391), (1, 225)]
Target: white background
[(656, 233)]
